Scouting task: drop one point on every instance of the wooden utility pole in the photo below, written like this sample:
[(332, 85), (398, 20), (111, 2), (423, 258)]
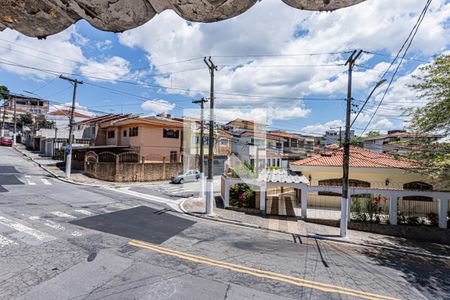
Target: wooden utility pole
[(346, 157), (75, 82), (209, 190)]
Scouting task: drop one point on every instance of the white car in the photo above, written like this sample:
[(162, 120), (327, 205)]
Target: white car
[(190, 175)]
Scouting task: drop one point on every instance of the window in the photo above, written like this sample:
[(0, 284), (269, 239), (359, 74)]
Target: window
[(111, 134), (196, 139), (286, 144), (170, 133), (279, 145), (294, 143), (418, 186), (338, 182), (124, 133), (173, 156), (205, 140), (134, 131), (223, 142)]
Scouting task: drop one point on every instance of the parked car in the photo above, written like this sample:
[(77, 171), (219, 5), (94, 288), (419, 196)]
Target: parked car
[(6, 141), (190, 175)]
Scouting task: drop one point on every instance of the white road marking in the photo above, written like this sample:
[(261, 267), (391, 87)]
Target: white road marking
[(121, 206), (48, 223), (5, 241), (62, 214), (45, 181), (29, 182), (76, 233), (25, 229), (84, 212)]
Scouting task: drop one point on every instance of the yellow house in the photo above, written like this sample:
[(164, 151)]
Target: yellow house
[(154, 138), (367, 169)]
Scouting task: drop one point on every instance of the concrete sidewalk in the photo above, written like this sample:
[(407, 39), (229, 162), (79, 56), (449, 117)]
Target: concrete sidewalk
[(292, 225)]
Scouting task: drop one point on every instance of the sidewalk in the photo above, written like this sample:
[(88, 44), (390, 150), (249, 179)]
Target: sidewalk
[(294, 226), (76, 177)]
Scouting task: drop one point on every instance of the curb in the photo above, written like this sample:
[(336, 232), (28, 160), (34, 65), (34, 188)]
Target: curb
[(315, 236), (390, 248), (53, 174), (212, 218)]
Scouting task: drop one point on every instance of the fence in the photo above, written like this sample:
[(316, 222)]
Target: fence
[(127, 167)]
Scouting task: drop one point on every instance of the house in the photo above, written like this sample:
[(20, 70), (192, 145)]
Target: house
[(191, 146), (296, 146), (397, 142), (61, 117), (92, 130), (368, 169), (238, 126), (252, 146), (333, 137), (156, 139), (35, 106)]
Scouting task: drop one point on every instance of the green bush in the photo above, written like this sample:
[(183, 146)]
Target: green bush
[(242, 195)]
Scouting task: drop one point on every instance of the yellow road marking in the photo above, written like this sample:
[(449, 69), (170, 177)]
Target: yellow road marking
[(260, 273)]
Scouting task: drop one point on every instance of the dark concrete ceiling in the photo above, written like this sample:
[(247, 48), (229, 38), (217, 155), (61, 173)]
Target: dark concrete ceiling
[(46, 17)]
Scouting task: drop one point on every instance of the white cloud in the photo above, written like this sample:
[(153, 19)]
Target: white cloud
[(157, 106), (320, 128), (112, 69), (385, 25), (57, 52)]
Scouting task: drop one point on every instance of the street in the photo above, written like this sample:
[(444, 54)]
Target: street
[(64, 241)]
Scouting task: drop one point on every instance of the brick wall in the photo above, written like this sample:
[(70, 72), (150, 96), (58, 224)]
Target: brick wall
[(133, 172)]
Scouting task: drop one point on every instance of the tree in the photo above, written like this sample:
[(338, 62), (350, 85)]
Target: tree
[(26, 119), (433, 118), (356, 141), (4, 92), (434, 86), (373, 133), (44, 123)]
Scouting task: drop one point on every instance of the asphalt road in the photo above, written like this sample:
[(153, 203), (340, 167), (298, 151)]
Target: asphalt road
[(63, 241)]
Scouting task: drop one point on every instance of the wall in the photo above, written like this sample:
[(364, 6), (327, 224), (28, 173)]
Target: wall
[(132, 172)]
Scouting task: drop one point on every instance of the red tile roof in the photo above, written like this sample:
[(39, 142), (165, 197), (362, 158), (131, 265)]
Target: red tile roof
[(359, 158), (66, 112)]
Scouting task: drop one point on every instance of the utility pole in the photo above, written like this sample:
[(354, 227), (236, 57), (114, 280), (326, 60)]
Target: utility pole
[(346, 157), (201, 162), (75, 82), (202, 102), (340, 134), (3, 118), (209, 190), (15, 123)]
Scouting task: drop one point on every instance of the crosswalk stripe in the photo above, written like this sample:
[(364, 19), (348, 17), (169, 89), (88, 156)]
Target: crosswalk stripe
[(48, 223), (28, 180), (62, 214), (84, 212), (5, 241), (76, 233), (25, 229), (45, 181)]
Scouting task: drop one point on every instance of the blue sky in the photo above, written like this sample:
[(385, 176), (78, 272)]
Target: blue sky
[(162, 63)]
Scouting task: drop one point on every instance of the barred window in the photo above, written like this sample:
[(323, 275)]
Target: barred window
[(134, 131)]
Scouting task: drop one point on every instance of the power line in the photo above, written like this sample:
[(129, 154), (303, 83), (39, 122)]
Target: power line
[(408, 41), (387, 55)]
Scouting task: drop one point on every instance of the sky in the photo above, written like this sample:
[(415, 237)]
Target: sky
[(274, 62)]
